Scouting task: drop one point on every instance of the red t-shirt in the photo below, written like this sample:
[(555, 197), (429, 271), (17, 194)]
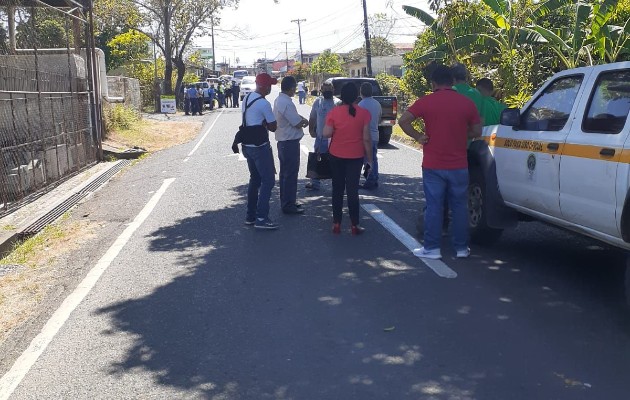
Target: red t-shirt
[(347, 139), (447, 116)]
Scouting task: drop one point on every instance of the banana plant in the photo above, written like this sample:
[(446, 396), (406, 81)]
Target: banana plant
[(590, 40), (500, 29)]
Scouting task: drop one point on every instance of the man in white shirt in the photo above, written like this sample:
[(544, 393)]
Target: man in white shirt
[(301, 89), (374, 107), (258, 120), (288, 135)]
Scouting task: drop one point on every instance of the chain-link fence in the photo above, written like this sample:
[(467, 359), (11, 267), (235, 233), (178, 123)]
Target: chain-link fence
[(48, 96)]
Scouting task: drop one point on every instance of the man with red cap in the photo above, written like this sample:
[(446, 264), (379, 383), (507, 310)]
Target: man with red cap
[(258, 120)]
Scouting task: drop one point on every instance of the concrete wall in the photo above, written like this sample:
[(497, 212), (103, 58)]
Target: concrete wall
[(127, 88)]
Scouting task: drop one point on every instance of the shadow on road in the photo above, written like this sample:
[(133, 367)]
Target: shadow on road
[(303, 314)]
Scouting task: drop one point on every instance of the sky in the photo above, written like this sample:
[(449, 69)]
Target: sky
[(260, 28)]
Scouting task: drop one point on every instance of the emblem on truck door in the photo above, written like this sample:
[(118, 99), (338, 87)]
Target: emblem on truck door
[(531, 164)]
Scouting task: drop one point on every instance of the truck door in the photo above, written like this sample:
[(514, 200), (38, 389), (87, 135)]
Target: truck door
[(528, 157), (590, 160)]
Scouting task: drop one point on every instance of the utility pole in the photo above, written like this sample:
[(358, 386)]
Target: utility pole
[(368, 49), (286, 54), (214, 65), (300, 35)]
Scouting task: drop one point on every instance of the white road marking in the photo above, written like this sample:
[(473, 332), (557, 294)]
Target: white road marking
[(409, 147), (241, 157), (379, 155), (10, 381), (406, 239), (305, 149), (203, 137)]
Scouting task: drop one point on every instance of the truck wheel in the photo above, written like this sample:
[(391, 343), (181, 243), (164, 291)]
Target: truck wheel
[(480, 232), (384, 135)]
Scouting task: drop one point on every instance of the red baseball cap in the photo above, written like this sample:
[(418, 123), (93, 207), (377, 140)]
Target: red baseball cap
[(265, 79)]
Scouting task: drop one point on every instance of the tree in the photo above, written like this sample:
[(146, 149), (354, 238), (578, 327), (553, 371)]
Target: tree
[(4, 41), (111, 18), (49, 31), (300, 71), (327, 63), (172, 26), (131, 46)]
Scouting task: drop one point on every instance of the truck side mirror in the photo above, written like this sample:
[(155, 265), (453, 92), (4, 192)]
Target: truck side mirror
[(511, 117)]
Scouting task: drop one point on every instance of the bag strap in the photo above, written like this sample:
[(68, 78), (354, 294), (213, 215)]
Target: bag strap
[(249, 105)]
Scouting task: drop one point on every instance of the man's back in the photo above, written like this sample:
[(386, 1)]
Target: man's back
[(447, 117), (376, 111)]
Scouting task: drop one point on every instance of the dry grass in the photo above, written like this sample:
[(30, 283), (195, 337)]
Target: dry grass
[(154, 135), (22, 290)]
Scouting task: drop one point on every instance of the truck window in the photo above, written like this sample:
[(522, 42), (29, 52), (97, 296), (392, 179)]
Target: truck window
[(609, 104), (551, 110)]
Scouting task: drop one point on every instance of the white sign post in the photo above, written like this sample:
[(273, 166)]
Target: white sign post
[(168, 105)]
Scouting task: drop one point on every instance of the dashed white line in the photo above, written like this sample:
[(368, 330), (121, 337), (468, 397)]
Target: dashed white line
[(406, 239), (304, 149), (10, 381), (203, 137)]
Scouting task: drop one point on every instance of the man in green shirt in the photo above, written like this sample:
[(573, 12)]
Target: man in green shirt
[(491, 109), (461, 86)]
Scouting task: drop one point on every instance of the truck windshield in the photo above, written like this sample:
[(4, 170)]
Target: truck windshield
[(338, 83)]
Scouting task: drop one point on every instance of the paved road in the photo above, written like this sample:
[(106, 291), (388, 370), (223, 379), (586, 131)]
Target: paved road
[(193, 304)]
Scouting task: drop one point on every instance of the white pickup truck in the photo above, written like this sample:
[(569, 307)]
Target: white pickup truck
[(564, 158)]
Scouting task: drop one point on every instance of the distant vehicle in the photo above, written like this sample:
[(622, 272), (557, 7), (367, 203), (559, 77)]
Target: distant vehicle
[(248, 85), (204, 86), (389, 104), (213, 81), (239, 74)]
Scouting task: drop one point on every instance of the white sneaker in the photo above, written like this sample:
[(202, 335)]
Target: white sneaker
[(463, 253), (424, 253)]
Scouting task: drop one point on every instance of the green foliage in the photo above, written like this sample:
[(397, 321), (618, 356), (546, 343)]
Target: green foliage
[(189, 77), (327, 63), (48, 31), (120, 117), (517, 100), (300, 71), (131, 46), (394, 86)]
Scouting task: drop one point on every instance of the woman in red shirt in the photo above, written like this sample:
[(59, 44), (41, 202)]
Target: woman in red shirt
[(348, 126)]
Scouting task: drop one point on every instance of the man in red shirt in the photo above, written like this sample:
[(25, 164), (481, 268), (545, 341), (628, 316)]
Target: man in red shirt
[(450, 119)]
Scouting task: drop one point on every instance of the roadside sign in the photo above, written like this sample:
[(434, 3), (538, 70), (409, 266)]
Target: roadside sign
[(205, 53), (168, 104)]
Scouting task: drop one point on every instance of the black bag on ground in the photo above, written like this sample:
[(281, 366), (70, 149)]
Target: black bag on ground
[(318, 166)]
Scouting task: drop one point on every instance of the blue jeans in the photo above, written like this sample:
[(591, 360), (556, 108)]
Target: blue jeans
[(261, 180), (321, 146), (372, 178), (452, 185), (289, 155), (302, 97)]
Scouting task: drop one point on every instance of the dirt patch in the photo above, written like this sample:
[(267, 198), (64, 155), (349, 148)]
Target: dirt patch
[(154, 135), (31, 270)]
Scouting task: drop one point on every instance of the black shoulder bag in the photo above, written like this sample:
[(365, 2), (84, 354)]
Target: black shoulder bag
[(254, 135)]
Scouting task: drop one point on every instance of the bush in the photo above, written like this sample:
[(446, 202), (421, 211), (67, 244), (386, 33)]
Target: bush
[(120, 116)]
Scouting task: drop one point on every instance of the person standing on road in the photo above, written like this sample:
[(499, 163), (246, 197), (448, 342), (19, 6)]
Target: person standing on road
[(316, 121), (228, 95), (258, 120), (288, 135), (349, 127), (211, 96), (192, 95), (461, 86), (236, 90), (301, 89), (186, 101), (450, 119), (200, 99), (492, 107), (221, 95), (376, 111)]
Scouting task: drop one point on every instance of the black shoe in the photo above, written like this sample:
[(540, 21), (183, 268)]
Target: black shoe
[(293, 210), (371, 186)]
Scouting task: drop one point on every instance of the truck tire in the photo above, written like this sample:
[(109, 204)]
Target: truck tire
[(480, 232), (384, 135)]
